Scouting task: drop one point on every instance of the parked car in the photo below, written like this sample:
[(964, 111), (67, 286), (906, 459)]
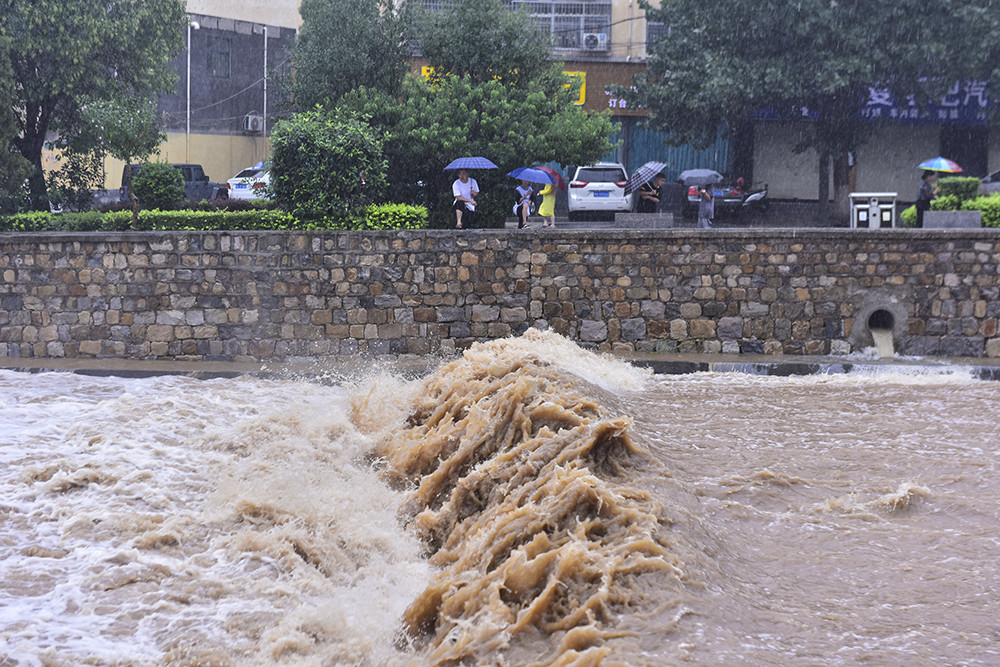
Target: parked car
[(197, 185), (251, 183), (728, 200), (598, 187)]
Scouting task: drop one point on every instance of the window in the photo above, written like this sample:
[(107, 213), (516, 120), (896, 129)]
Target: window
[(655, 33), (219, 56), (568, 22)]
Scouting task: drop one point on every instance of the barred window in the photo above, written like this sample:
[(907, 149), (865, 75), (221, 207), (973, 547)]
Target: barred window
[(571, 24), (656, 32)]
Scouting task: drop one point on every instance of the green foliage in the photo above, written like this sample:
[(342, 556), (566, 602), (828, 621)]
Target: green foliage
[(962, 187), (376, 216), (432, 124), (989, 206), (494, 93), (908, 217), (344, 44), (66, 53), (482, 39), (159, 185), (395, 216), (326, 165), (727, 60), (14, 169), (946, 203)]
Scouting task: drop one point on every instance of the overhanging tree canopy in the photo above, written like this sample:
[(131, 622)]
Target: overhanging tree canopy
[(344, 44), (724, 61), (65, 52)]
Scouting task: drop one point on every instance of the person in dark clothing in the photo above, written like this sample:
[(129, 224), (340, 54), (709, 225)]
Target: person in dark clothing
[(925, 194), (650, 194)]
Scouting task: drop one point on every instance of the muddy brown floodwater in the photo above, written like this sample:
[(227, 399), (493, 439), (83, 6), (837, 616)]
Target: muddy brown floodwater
[(531, 503)]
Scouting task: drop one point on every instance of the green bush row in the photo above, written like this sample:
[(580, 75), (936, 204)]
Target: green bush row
[(962, 187), (377, 216), (989, 206)]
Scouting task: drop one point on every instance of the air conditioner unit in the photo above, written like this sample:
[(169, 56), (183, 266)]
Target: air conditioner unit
[(253, 123), (595, 41)]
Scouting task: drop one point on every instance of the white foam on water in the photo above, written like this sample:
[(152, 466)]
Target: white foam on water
[(171, 520)]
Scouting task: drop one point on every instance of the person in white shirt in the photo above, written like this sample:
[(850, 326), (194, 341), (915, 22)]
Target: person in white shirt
[(522, 209), (465, 190)]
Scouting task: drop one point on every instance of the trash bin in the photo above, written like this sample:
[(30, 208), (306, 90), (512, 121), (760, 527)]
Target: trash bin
[(873, 210)]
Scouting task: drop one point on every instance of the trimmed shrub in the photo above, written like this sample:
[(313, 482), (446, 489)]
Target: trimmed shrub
[(989, 206), (962, 187), (326, 166), (159, 185), (909, 216), (946, 203), (395, 216)]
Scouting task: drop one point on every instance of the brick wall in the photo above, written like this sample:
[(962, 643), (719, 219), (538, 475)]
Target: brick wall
[(288, 295)]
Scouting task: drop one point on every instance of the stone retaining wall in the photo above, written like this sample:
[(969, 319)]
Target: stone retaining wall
[(256, 296)]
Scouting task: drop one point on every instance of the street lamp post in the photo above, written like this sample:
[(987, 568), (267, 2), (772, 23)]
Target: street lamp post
[(187, 133)]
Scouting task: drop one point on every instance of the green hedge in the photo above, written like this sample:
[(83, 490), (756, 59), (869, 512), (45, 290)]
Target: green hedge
[(962, 187), (990, 207), (385, 216)]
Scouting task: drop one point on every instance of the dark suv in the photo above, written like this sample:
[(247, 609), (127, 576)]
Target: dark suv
[(197, 186)]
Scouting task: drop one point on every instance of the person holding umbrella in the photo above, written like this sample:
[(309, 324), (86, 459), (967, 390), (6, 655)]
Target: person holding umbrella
[(522, 209), (706, 207), (465, 190), (649, 194), (925, 194)]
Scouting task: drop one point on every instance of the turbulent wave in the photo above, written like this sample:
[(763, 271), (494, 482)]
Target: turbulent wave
[(519, 488)]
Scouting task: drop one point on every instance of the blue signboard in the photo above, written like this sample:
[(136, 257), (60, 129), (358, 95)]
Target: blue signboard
[(965, 103)]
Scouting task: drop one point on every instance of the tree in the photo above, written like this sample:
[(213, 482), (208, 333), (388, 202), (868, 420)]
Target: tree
[(344, 44), (434, 123), (495, 93), (14, 169), (726, 61), (484, 40), (326, 165), (68, 52)]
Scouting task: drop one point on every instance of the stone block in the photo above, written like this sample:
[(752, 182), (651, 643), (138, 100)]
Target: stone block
[(953, 219)]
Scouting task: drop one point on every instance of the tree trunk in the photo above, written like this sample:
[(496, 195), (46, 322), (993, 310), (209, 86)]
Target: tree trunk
[(30, 145), (824, 186), (841, 186)]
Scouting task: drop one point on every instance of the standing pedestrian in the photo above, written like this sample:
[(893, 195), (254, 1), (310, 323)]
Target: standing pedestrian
[(522, 209), (925, 194), (465, 190), (548, 208), (706, 207)]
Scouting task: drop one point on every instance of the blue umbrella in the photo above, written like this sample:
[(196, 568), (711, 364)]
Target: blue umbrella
[(470, 163), (532, 175)]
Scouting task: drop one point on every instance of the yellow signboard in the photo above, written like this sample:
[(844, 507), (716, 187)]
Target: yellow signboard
[(427, 71), (582, 77)]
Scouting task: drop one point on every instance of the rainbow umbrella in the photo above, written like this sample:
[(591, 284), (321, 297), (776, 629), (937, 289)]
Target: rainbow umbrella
[(940, 164)]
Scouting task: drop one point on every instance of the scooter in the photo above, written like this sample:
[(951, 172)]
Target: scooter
[(755, 202)]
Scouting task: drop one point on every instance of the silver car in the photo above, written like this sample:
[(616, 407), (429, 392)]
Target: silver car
[(598, 188)]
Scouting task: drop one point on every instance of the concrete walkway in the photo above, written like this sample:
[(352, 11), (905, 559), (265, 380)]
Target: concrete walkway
[(334, 369)]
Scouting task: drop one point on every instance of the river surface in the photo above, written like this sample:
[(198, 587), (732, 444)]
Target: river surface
[(529, 504)]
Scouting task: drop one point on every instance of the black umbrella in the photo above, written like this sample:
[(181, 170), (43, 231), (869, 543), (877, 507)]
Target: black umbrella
[(699, 177), (643, 175)]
